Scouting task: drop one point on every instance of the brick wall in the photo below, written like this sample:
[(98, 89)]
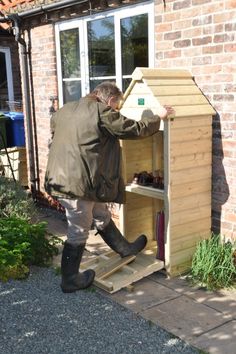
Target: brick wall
[(200, 35), (44, 86)]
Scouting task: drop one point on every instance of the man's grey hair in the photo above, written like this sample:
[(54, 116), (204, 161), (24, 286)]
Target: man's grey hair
[(106, 90)]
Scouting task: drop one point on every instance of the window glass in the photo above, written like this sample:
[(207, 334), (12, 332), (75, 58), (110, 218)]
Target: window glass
[(125, 83), (101, 47), (70, 53), (3, 72), (134, 43), (70, 64), (71, 90), (3, 82)]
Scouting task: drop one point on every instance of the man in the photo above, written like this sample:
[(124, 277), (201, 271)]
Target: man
[(84, 173)]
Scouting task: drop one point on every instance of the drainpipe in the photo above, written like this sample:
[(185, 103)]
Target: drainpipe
[(26, 94)]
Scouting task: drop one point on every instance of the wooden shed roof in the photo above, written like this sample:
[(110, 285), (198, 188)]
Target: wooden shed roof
[(175, 87)]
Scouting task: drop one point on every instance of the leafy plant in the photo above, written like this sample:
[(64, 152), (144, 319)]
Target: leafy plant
[(213, 264), (23, 244), (14, 200)]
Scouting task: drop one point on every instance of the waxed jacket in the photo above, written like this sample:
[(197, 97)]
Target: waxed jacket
[(85, 156)]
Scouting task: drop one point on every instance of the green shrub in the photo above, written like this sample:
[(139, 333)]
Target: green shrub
[(23, 244), (213, 264), (14, 200)]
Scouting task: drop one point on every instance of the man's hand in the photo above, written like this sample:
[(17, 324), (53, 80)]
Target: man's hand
[(165, 111)]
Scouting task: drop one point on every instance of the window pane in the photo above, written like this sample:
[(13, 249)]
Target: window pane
[(101, 47), (3, 82), (71, 90), (3, 73), (94, 83), (70, 53), (134, 42), (125, 83)]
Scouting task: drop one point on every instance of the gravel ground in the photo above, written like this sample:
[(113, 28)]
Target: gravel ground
[(36, 317)]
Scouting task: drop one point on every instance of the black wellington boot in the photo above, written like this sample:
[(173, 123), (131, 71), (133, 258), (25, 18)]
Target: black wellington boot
[(72, 280), (114, 239)]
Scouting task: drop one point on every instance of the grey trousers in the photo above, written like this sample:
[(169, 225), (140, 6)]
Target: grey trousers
[(82, 216)]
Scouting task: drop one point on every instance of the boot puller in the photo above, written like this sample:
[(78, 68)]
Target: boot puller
[(84, 174)]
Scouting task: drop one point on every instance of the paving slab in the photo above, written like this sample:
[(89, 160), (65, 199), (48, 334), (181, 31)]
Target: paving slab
[(143, 295), (179, 284), (185, 317), (223, 301), (221, 340)]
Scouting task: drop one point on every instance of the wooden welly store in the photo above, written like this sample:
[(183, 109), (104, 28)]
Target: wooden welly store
[(168, 178)]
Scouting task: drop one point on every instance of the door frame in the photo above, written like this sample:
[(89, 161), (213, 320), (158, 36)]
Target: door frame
[(10, 88), (81, 24)]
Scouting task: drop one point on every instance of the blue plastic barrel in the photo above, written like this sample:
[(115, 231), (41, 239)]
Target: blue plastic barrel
[(15, 129)]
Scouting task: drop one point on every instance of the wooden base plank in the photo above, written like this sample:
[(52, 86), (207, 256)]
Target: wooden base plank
[(111, 266), (114, 273)]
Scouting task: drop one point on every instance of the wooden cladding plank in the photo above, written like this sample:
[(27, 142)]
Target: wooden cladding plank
[(192, 111), (188, 241), (141, 88), (138, 156), (175, 90), (139, 224), (188, 100), (143, 222), (139, 152), (192, 214), (132, 101), (197, 226), (130, 113), (190, 175), (189, 122), (190, 201), (139, 227), (140, 112), (190, 147), (139, 144), (144, 73), (183, 257), (151, 101), (136, 201), (169, 82), (176, 270), (190, 134), (184, 162), (111, 266), (136, 167), (140, 213), (191, 188)]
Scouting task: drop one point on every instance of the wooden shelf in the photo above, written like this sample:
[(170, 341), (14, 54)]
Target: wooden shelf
[(147, 191)]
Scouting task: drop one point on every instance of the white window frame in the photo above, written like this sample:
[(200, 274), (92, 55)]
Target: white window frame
[(10, 88), (81, 24)]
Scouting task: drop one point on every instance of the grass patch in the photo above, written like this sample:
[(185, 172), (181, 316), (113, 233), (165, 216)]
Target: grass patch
[(214, 264)]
